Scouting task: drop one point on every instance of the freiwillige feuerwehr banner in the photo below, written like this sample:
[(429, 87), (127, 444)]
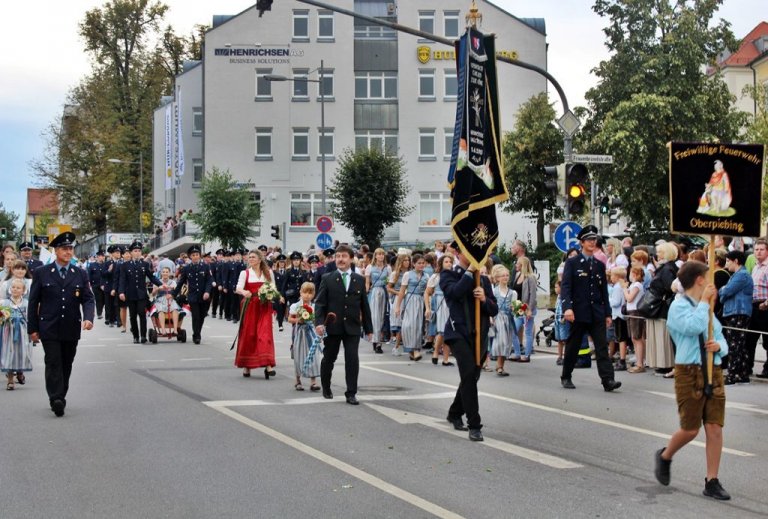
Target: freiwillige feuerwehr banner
[(475, 177), (168, 149), (716, 188), (179, 136)]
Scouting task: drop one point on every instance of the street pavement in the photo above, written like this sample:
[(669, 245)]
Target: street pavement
[(174, 430)]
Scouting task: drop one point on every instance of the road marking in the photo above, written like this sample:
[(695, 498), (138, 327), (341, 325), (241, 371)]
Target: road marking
[(150, 360), (555, 410), (403, 417), (111, 339), (101, 362), (320, 400), (376, 483), (193, 360), (732, 405)]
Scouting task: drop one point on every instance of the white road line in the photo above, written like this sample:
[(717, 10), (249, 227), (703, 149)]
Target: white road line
[(321, 400), (376, 483), (193, 360), (752, 408), (150, 360), (562, 412), (101, 362)]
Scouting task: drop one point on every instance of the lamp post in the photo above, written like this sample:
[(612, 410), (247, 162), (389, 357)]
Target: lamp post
[(141, 187), (275, 77)]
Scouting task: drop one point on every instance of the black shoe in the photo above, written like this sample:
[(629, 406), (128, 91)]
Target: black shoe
[(143, 340), (620, 366), (475, 435), (196, 340), (135, 340), (110, 325), (713, 488), (281, 328), (328, 394), (764, 374), (567, 383), (457, 423), (98, 317), (57, 406), (377, 349), (352, 400), (610, 385), (662, 468)]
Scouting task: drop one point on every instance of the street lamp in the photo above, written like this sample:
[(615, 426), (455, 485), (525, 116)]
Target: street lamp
[(141, 187), (275, 77)]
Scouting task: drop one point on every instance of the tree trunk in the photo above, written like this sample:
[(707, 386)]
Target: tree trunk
[(540, 223)]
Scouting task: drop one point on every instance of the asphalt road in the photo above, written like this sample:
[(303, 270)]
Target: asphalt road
[(174, 430)]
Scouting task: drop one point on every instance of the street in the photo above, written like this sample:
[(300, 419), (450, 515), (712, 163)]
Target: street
[(174, 430)]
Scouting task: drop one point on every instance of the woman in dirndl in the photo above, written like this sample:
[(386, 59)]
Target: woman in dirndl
[(255, 344), (376, 278), (409, 305), (402, 265), (437, 310)]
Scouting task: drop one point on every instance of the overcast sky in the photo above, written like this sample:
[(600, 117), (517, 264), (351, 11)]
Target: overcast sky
[(41, 58)]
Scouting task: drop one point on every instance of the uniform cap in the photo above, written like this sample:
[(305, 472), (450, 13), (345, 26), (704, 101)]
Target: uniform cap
[(589, 232), (314, 259), (281, 257), (242, 251), (329, 252), (65, 239), (136, 245), (262, 248), (193, 249), (25, 245), (296, 255), (220, 252), (111, 249), (99, 252)]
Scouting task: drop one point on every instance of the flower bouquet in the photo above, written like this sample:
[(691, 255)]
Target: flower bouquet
[(5, 313), (268, 293), (306, 314), (519, 308)]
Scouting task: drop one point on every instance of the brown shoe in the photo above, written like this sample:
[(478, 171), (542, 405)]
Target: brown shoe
[(636, 369)]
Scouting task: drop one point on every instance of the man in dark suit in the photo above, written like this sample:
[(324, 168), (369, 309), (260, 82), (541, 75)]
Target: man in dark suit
[(584, 292), (132, 288), (58, 293), (460, 295), (197, 277), (342, 292), (26, 254), (107, 277), (95, 271)]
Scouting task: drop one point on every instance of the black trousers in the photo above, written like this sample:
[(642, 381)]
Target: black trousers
[(109, 307), (351, 361), (465, 402), (59, 356), (597, 331), (759, 323), (232, 310), (138, 310), (98, 294), (199, 310), (214, 301)]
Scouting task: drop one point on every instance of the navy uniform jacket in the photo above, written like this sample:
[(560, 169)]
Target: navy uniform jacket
[(54, 303), (457, 286), (214, 267), (94, 273), (33, 263), (199, 281), (279, 280), (132, 281), (584, 289), (108, 275), (292, 281), (230, 276), (350, 306)]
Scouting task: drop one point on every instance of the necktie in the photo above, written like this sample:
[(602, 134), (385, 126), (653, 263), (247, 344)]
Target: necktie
[(63, 272), (344, 279)]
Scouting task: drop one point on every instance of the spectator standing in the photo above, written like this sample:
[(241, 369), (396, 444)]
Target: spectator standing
[(659, 346), (736, 298), (758, 321)]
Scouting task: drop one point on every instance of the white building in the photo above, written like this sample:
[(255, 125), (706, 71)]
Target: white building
[(382, 88)]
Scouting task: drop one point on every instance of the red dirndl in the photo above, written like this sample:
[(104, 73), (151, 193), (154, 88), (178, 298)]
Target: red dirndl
[(255, 344)]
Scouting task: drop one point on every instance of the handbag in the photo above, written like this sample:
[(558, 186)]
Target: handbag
[(650, 305)]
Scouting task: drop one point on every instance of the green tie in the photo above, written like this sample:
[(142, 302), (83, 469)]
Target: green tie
[(344, 279)]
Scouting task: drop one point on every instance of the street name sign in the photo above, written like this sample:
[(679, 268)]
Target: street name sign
[(592, 159)]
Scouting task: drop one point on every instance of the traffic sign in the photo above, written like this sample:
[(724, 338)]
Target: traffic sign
[(324, 240), (565, 235), (592, 159), (324, 224)]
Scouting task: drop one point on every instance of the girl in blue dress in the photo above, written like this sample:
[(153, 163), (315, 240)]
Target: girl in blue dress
[(376, 278), (402, 265), (409, 305), (504, 322), (15, 349)]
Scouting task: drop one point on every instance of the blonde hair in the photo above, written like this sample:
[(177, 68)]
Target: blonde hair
[(525, 267), (18, 281), (667, 252), (308, 288), (497, 271), (616, 244), (379, 251), (399, 264), (620, 272)]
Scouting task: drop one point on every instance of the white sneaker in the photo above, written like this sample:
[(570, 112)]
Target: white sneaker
[(397, 352)]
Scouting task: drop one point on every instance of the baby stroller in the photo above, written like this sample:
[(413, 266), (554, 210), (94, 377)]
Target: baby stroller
[(547, 329), (166, 329)]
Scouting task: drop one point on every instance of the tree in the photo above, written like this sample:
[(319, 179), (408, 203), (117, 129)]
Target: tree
[(534, 143), (651, 91), (8, 221), (370, 189), (42, 222), (227, 213)]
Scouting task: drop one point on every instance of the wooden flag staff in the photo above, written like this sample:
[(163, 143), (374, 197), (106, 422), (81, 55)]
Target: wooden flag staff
[(711, 328)]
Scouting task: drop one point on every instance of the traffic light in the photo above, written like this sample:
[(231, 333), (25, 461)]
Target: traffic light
[(3, 233), (605, 205), (275, 232), (576, 177), (613, 214), (550, 180), (263, 5)]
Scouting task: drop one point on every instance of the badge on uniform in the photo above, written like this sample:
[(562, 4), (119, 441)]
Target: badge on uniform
[(77, 292)]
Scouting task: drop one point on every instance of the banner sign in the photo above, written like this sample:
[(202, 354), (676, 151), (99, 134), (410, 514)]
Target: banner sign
[(475, 174), (179, 137), (716, 188), (168, 149)]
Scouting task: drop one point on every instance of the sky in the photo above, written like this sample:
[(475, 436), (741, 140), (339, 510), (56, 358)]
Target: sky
[(42, 58)]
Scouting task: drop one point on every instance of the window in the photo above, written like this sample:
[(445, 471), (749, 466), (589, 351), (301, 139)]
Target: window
[(300, 143), (325, 143), (197, 171), (435, 210), (300, 88), (426, 144), (301, 25), (263, 143), (448, 143), (450, 84), (383, 140), (197, 120), (451, 24), (376, 85), (327, 84), (306, 208), (263, 87), (324, 25), (426, 84), (427, 21)]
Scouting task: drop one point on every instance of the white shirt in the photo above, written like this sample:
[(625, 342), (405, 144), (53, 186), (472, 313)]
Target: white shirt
[(253, 277)]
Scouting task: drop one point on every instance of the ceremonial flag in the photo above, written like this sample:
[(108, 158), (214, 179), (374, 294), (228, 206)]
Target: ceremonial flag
[(168, 149), (179, 136), (475, 176), (45, 255)]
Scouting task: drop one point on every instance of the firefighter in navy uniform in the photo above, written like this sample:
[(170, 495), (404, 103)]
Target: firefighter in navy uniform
[(215, 266), (328, 266), (106, 286), (314, 262), (584, 292), (59, 291), (132, 288), (293, 279), (221, 280), (230, 284), (26, 254), (279, 272), (95, 271), (197, 276)]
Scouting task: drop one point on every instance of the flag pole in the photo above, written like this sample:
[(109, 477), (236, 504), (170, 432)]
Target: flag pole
[(711, 328)]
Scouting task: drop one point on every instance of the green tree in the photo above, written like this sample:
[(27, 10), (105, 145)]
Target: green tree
[(652, 90), (227, 213), (8, 221), (534, 143), (370, 189), (42, 223)]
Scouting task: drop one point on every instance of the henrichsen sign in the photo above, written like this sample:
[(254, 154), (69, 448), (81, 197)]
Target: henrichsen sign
[(425, 53), (259, 55)]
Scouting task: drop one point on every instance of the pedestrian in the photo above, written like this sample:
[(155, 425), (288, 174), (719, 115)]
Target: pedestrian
[(688, 322), (279, 270), (122, 305), (60, 305), (584, 291), (25, 249), (736, 297), (458, 285), (409, 307), (376, 277), (434, 300), (132, 288), (659, 348), (342, 294), (15, 348), (18, 270), (215, 291), (300, 316), (293, 279), (758, 321), (255, 344), (505, 334), (561, 327), (618, 304), (402, 265), (525, 287), (197, 277), (633, 294), (95, 270)]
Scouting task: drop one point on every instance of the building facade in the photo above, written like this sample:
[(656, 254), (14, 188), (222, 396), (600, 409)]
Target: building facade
[(379, 88)]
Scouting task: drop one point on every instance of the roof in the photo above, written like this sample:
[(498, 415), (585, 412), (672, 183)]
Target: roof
[(748, 50), (40, 201)]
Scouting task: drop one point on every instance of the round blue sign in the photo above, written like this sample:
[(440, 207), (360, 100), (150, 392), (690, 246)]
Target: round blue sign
[(324, 240), (565, 236)]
